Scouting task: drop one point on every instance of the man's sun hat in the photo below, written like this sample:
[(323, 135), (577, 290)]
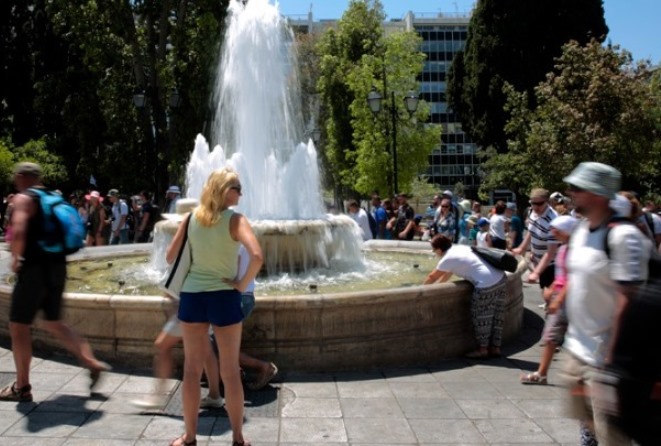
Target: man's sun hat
[(465, 205), (173, 190), (597, 178), (94, 194), (565, 223), (28, 169), (113, 193)]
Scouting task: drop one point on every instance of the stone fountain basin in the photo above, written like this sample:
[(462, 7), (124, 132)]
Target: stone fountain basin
[(408, 326)]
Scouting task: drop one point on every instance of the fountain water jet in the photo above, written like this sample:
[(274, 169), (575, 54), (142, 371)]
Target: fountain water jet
[(258, 126)]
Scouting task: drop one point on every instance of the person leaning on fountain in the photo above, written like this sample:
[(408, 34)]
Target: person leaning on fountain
[(488, 300), (40, 280), (211, 295)]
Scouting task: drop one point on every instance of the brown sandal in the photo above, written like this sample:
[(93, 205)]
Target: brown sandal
[(183, 441), (241, 443)]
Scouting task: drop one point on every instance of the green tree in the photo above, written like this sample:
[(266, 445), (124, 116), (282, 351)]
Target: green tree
[(70, 69), (515, 42), (355, 58), (597, 105)]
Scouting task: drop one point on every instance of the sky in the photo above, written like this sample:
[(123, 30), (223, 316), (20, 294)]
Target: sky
[(634, 24)]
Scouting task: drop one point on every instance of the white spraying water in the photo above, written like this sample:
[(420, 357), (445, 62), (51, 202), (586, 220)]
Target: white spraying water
[(258, 122), (258, 130)]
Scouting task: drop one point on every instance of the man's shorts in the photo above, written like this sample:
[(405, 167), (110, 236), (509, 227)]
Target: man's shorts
[(39, 286), (220, 308), (555, 327)]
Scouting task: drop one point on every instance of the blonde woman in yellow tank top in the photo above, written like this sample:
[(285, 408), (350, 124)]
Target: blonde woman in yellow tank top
[(210, 295)]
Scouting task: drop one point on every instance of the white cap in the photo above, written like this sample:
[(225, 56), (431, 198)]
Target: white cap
[(621, 205), (448, 193), (564, 223)]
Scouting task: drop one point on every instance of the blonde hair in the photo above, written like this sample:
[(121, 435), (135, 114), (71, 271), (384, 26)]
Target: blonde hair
[(214, 195)]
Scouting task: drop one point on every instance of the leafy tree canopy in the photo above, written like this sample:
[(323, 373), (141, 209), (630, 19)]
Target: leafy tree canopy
[(597, 105), (357, 57), (513, 42)]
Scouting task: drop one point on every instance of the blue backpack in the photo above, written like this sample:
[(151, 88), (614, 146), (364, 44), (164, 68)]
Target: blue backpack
[(64, 231)]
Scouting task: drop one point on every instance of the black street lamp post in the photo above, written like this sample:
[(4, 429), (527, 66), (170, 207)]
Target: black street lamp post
[(411, 100), (141, 102)]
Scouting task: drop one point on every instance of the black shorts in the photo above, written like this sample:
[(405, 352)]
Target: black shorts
[(498, 243), (39, 286), (547, 277)]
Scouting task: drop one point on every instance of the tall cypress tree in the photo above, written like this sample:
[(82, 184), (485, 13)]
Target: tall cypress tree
[(513, 41)]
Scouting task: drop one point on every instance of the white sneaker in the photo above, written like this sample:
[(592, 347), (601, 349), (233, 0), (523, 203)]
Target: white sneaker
[(211, 403), (150, 403)]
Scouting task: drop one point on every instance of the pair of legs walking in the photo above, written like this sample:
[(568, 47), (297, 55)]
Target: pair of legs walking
[(39, 287)]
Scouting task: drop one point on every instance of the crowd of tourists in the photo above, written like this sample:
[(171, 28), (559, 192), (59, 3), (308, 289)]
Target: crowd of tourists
[(591, 250), (112, 219)]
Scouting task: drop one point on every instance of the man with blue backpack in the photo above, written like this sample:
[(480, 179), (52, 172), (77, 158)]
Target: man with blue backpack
[(45, 231)]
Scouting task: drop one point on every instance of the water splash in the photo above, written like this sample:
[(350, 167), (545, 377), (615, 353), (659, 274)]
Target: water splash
[(258, 122)]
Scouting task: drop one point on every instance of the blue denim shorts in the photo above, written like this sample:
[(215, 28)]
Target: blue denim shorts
[(220, 308), (247, 303)]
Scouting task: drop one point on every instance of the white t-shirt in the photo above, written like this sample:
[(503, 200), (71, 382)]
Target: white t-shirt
[(463, 262), (244, 261), (592, 287), (119, 209), (363, 221), (481, 239), (497, 226)]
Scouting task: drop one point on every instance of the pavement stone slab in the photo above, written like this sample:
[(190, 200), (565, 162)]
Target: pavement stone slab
[(312, 407), (446, 431), (519, 430), (370, 408), (444, 408), (364, 389), (379, 430), (421, 390), (313, 430), (312, 389), (46, 424), (112, 426), (480, 409), (472, 391), (255, 429)]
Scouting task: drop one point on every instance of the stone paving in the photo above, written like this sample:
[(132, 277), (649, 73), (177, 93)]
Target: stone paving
[(458, 402)]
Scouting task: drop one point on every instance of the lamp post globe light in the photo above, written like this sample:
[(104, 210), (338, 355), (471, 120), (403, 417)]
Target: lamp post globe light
[(374, 101)]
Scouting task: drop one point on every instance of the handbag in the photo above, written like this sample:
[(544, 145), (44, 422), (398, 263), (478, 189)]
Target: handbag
[(498, 258), (173, 279)]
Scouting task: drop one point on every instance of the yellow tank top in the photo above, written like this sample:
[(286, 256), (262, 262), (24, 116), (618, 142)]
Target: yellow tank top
[(214, 253)]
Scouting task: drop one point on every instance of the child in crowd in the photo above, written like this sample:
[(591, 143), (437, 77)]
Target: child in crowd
[(483, 238), (556, 318)]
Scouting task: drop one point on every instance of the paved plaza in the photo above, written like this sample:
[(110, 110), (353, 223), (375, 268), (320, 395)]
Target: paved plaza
[(458, 402)]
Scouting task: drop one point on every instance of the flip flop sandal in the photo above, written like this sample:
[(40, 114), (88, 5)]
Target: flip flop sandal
[(534, 379), (183, 442)]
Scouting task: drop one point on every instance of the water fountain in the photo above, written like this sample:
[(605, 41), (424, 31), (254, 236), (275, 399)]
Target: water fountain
[(258, 130)]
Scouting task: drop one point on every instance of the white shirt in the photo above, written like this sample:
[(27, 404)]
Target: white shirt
[(363, 221), (119, 209), (463, 262), (481, 239), (592, 287), (244, 261), (497, 226)]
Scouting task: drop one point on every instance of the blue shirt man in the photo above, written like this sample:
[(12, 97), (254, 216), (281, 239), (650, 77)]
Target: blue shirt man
[(378, 219)]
